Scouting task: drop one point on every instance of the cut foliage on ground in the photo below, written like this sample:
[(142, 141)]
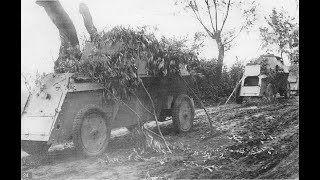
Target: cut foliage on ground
[(248, 141)]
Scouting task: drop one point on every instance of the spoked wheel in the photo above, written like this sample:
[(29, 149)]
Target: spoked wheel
[(35, 147), (270, 94), (183, 113), (91, 131)]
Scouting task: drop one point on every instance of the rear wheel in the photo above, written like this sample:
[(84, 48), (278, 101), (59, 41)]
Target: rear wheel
[(270, 94), (91, 131), (35, 147), (183, 113)]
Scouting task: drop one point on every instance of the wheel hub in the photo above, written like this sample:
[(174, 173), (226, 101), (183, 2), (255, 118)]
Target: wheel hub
[(185, 115), (93, 133)]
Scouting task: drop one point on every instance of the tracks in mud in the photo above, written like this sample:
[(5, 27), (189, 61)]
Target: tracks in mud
[(249, 142)]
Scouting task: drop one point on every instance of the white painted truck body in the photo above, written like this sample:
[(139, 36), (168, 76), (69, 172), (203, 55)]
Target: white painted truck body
[(42, 106), (251, 90)]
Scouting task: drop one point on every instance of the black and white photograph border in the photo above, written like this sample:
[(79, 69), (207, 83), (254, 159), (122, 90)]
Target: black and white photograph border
[(160, 89)]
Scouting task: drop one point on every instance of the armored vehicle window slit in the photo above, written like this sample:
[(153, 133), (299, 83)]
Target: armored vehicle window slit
[(251, 81)]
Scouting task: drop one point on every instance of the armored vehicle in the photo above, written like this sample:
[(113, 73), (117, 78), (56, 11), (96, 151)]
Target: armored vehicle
[(70, 107)]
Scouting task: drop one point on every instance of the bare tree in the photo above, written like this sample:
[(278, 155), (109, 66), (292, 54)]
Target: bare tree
[(210, 13)]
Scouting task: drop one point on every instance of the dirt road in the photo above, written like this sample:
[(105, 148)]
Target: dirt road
[(248, 141)]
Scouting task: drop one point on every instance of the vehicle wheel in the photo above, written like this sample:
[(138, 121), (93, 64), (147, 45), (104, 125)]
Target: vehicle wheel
[(183, 113), (270, 95), (35, 147), (239, 99), (287, 91), (91, 131)]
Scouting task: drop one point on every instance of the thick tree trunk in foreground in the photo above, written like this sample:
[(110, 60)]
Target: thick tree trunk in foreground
[(84, 11), (67, 31)]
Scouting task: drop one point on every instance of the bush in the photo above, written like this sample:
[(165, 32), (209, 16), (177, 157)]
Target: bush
[(207, 85)]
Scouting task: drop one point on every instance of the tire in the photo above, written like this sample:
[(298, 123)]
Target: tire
[(183, 113), (239, 99), (287, 91), (35, 147), (270, 95), (91, 131)]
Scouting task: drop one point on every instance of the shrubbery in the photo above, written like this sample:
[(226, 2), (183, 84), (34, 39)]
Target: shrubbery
[(208, 87)]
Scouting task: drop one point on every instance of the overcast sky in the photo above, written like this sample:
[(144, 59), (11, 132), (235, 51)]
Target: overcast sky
[(40, 40)]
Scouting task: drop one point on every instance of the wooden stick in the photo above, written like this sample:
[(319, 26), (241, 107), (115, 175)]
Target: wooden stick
[(233, 91), (202, 105)]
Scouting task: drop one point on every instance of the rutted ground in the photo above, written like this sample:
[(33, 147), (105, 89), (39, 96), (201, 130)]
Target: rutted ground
[(248, 141)]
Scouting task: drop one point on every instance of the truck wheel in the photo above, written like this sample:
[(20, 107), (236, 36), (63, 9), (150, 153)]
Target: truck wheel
[(91, 131), (270, 95), (287, 91), (35, 147), (183, 113), (239, 99)]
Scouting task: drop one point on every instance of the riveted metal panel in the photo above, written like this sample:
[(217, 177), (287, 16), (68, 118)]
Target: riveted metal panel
[(36, 128), (42, 107)]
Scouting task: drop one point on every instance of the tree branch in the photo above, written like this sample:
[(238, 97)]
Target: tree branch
[(155, 116), (234, 36), (87, 18), (26, 83), (199, 19), (225, 18), (215, 7), (208, 7), (62, 21)]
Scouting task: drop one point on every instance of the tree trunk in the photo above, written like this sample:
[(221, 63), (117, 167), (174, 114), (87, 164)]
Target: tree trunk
[(61, 19), (84, 11), (67, 30), (220, 58)]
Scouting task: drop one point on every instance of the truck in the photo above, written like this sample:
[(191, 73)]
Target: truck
[(70, 107), (265, 76)]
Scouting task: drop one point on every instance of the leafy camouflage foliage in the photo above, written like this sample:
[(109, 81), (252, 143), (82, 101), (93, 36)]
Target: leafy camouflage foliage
[(116, 66), (114, 59)]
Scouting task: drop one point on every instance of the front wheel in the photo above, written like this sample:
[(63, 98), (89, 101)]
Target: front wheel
[(35, 147), (91, 131), (183, 113)]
